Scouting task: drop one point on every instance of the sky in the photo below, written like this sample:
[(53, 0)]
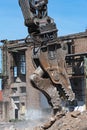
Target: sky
[(69, 16)]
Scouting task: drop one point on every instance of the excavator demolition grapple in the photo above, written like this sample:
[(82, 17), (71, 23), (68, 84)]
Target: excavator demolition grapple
[(50, 76)]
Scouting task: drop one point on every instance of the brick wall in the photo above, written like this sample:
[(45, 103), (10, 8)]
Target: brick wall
[(80, 45), (1, 96)]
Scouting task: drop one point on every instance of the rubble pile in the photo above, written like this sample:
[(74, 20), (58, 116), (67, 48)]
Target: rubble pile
[(70, 121)]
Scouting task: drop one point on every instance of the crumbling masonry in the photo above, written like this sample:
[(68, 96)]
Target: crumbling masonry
[(18, 96)]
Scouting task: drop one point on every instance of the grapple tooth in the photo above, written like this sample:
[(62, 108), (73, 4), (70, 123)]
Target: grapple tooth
[(69, 94), (64, 90), (66, 95), (71, 97)]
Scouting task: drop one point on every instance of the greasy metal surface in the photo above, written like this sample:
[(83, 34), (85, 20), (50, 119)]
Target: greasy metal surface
[(50, 77)]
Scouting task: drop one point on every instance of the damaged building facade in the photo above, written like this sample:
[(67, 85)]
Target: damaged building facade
[(18, 97)]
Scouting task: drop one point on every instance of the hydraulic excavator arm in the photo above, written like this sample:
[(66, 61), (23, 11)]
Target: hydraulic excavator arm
[(50, 76)]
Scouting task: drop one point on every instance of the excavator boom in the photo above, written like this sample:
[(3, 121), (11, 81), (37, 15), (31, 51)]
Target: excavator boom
[(50, 76)]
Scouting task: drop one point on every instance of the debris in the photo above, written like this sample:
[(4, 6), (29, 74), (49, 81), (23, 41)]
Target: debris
[(70, 121), (75, 114)]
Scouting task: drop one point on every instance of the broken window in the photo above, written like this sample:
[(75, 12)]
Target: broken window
[(15, 71), (23, 89), (19, 65), (69, 49), (16, 98), (14, 90), (23, 104), (17, 105), (22, 64)]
